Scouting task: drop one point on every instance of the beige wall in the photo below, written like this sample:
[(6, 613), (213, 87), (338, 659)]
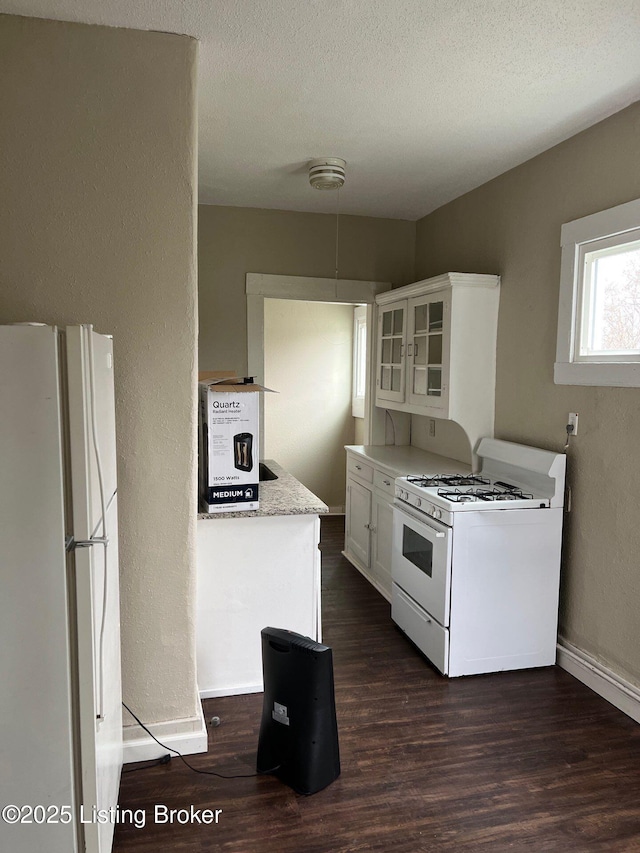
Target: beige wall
[(233, 241), (359, 433), (97, 178), (511, 226), (308, 349)]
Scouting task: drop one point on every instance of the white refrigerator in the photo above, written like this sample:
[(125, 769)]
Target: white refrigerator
[(60, 689)]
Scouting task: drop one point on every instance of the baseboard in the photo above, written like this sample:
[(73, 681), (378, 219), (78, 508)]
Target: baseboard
[(602, 680), (231, 691), (187, 736)]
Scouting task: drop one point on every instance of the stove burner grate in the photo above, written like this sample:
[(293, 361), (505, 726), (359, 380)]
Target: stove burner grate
[(449, 480), (476, 495)]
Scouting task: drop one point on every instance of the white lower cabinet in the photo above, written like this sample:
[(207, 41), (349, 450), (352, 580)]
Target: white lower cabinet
[(382, 532), (369, 521), (358, 524)]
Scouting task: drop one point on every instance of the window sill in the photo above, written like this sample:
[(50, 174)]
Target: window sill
[(597, 373)]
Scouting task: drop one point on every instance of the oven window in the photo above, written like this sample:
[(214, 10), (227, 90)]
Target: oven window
[(417, 550)]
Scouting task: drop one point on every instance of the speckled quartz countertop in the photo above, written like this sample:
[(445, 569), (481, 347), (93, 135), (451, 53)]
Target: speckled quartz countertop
[(284, 496)]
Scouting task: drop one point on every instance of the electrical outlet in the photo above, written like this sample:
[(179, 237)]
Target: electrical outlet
[(432, 428), (573, 421)]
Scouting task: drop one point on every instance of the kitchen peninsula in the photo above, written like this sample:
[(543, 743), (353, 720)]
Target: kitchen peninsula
[(256, 569)]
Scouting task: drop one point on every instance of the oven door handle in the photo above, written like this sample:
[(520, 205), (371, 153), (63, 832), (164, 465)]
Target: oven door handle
[(439, 534)]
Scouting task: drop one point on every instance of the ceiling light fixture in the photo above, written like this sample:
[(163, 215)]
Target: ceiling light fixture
[(327, 173)]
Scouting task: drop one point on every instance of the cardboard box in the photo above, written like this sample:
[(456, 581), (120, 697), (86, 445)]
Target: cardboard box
[(228, 442)]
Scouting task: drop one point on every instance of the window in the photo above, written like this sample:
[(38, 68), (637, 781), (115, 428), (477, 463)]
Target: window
[(359, 360), (599, 311)]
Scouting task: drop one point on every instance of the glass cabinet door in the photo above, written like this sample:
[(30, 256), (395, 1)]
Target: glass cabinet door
[(426, 351), (391, 343)]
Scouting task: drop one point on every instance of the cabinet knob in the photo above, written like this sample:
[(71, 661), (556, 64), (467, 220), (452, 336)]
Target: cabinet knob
[(358, 467), (387, 482)]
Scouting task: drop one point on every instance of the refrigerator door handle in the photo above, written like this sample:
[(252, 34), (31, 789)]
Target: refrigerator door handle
[(71, 544)]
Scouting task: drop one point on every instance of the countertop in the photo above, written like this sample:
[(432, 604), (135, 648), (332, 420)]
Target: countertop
[(400, 460), (284, 496)]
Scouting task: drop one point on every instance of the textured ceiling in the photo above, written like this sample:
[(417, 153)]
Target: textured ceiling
[(424, 99)]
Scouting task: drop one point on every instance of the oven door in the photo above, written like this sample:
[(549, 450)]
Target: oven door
[(421, 561)]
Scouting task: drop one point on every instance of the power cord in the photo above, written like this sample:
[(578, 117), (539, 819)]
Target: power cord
[(166, 758), (570, 430)]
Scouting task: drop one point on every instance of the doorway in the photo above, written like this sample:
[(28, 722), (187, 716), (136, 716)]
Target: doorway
[(308, 352), (319, 314)]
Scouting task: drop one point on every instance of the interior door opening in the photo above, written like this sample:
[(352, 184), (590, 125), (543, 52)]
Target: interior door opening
[(309, 360)]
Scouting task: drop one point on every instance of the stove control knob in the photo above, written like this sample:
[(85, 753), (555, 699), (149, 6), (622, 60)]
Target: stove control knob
[(437, 513), (418, 502)]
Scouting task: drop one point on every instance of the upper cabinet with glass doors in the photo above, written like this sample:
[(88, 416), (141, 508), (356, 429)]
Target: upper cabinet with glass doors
[(392, 322), (428, 351), (436, 348)]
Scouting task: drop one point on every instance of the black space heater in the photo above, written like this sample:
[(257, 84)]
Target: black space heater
[(298, 734)]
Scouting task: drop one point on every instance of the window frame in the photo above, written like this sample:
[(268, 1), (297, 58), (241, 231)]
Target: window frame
[(614, 226), (359, 360)]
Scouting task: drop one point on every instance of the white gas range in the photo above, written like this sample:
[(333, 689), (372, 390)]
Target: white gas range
[(476, 561)]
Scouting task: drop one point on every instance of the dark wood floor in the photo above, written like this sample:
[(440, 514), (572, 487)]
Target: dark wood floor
[(514, 761)]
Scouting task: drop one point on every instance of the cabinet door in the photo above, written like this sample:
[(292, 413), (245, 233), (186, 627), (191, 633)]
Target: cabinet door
[(390, 378), (429, 332), (359, 522), (383, 533)]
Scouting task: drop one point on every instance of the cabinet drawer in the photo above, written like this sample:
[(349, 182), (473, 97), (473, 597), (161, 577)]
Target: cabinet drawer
[(384, 482), (430, 637), (360, 469)]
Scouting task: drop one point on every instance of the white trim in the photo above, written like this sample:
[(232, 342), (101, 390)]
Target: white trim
[(615, 220), (597, 373), (359, 360), (602, 680), (255, 337), (375, 422), (438, 282), (313, 289), (231, 691), (187, 736), (568, 368)]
